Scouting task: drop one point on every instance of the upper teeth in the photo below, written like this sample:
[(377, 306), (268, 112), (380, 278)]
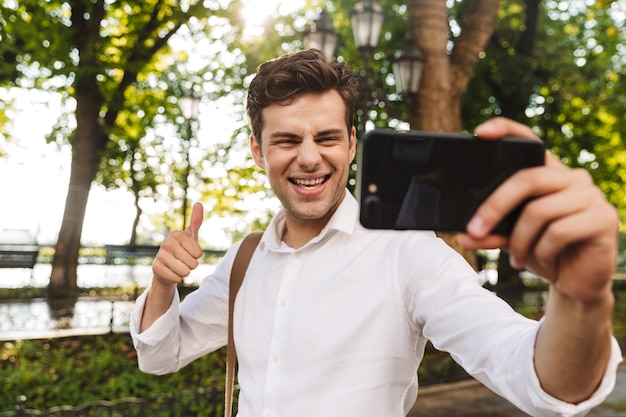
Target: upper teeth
[(315, 181)]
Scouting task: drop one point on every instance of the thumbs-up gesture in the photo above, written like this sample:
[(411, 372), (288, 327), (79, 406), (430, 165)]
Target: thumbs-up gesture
[(179, 253)]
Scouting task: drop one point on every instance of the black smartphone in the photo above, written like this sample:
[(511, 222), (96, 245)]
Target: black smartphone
[(423, 180)]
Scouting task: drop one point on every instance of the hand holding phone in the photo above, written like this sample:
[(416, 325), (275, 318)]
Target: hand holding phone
[(435, 181)]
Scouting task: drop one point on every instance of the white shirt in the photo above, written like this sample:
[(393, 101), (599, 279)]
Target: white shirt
[(338, 327)]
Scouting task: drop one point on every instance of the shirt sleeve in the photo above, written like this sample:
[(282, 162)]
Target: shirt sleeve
[(188, 329), (157, 345), (446, 301)]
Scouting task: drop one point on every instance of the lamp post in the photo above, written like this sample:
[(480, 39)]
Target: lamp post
[(189, 105), (322, 35), (367, 19)]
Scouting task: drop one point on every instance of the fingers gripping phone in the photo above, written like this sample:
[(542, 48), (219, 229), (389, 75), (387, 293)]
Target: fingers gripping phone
[(435, 181)]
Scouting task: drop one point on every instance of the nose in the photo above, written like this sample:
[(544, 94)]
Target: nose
[(309, 156)]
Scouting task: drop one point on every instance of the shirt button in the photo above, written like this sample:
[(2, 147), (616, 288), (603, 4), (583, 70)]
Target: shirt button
[(275, 358), (283, 302)]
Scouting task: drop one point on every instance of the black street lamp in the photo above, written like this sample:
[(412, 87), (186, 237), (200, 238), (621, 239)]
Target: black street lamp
[(322, 35), (408, 65), (367, 21), (189, 105)]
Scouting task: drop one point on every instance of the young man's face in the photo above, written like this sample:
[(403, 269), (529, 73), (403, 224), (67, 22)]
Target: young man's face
[(306, 151)]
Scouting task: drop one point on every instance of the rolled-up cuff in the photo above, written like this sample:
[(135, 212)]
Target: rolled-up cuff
[(160, 329), (541, 399)]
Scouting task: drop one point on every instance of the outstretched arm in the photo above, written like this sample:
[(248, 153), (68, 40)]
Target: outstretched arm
[(567, 234), (177, 257)]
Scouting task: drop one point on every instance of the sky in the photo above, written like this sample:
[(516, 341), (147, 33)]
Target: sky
[(35, 176)]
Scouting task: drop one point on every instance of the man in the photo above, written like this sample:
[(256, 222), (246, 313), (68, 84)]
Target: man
[(332, 319)]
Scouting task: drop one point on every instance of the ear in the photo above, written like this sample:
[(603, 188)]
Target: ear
[(256, 152), (352, 143)]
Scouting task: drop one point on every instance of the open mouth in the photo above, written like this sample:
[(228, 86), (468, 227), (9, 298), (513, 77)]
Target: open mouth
[(311, 182)]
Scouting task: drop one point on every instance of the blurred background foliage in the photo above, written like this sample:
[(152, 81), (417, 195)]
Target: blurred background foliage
[(122, 68)]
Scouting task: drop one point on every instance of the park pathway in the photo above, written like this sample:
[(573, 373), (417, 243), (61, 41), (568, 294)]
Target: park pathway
[(472, 399)]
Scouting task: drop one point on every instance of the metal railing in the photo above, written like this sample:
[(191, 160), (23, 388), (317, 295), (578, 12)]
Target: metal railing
[(207, 402)]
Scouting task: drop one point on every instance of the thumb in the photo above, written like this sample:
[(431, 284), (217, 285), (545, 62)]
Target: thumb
[(197, 216)]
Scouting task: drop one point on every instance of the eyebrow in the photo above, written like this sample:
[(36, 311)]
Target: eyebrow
[(284, 135), (326, 132)]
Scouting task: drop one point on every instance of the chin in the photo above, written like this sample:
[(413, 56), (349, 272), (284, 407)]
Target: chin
[(308, 213)]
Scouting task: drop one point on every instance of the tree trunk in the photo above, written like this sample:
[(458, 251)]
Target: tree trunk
[(138, 211), (508, 277), (513, 101), (428, 22), (95, 115), (445, 77), (89, 140)]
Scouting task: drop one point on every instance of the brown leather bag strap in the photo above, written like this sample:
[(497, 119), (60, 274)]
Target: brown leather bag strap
[(237, 273)]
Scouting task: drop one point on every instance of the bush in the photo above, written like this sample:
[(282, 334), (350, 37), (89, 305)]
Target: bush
[(76, 370)]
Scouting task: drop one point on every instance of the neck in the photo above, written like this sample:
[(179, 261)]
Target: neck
[(297, 232)]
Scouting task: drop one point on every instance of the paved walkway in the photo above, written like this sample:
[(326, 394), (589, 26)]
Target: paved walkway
[(472, 399)]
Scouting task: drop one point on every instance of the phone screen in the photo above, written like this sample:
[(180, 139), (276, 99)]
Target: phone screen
[(435, 181)]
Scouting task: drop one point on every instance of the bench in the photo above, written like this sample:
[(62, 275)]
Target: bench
[(18, 256), (114, 253), (117, 253)]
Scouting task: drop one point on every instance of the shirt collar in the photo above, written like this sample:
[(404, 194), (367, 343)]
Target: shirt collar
[(344, 220)]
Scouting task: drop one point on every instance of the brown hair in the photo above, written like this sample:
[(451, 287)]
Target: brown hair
[(281, 80)]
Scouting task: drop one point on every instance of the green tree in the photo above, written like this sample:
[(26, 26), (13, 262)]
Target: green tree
[(558, 68), (100, 55)]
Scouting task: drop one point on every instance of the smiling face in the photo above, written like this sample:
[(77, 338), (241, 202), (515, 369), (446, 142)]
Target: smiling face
[(306, 151)]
